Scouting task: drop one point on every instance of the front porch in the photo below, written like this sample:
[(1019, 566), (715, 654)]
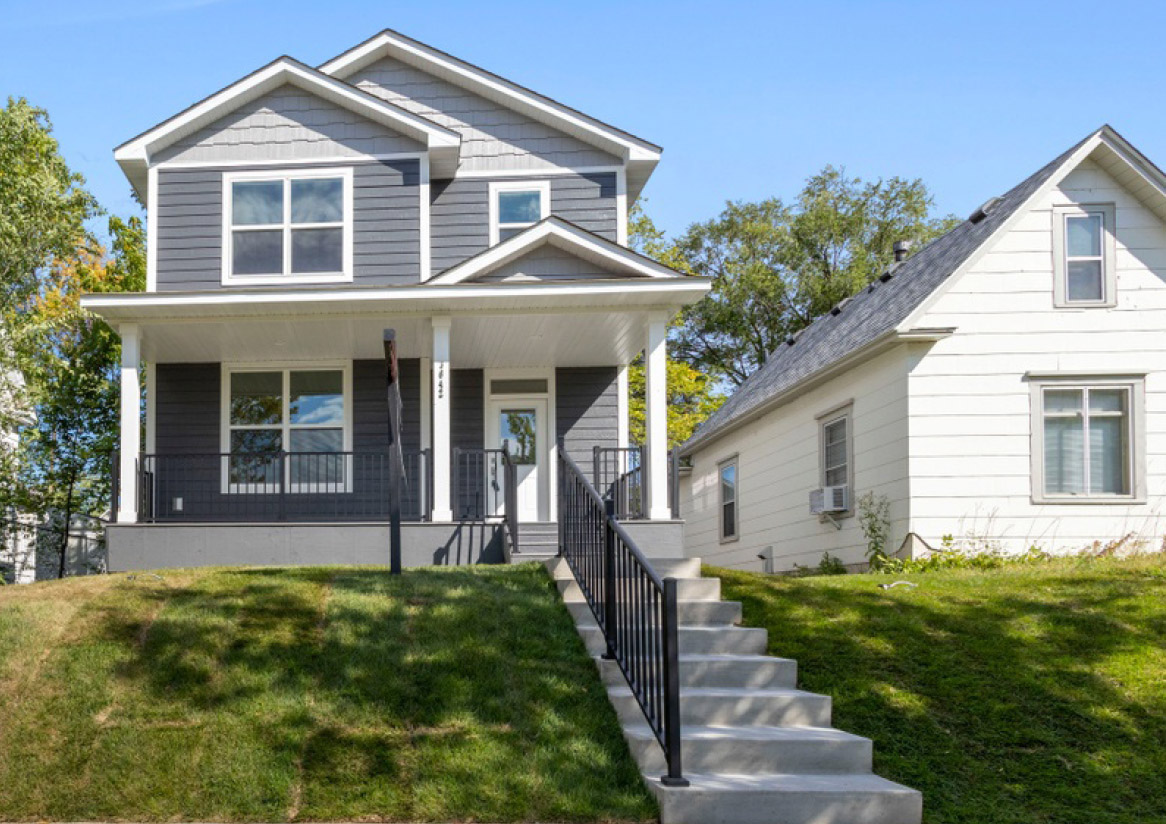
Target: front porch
[(266, 421)]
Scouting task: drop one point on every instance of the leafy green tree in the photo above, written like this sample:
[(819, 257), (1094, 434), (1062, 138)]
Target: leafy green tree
[(70, 358), (776, 266)]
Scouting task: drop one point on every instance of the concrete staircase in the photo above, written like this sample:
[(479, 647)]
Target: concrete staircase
[(537, 541), (756, 749)]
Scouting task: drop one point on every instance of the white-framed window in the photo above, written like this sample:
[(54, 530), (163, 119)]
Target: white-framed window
[(1083, 256), (287, 428), (516, 205), (1088, 440), (287, 226), (728, 493), (836, 449)]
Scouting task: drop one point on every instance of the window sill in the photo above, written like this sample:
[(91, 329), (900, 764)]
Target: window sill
[(282, 280), (732, 539), (1115, 500)]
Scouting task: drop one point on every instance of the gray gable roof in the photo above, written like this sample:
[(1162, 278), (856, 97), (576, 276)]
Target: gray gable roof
[(873, 312)]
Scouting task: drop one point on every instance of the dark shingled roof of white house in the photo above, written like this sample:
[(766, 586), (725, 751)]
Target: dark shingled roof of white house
[(874, 311)]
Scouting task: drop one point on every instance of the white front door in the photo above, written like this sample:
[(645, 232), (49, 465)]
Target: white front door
[(520, 423)]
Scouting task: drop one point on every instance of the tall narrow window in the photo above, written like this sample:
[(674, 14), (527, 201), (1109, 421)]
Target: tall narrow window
[(728, 499), (1087, 441), (1084, 256), (288, 228), (515, 206)]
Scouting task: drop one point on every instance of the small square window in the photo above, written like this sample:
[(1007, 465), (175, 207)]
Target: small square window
[(516, 206)]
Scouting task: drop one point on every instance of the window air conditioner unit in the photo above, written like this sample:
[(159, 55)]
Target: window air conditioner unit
[(829, 499)]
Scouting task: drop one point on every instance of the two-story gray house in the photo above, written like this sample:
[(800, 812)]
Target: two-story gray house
[(298, 214)]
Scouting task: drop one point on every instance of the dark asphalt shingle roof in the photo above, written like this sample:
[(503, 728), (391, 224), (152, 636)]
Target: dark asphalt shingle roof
[(873, 312)]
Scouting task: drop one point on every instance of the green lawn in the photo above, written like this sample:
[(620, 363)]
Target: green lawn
[(305, 694), (1025, 694)]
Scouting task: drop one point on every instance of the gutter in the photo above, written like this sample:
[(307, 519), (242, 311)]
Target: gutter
[(883, 343)]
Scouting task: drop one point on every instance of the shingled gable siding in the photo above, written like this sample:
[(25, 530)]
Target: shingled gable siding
[(550, 263), (386, 224), (493, 136), (188, 415), (586, 410), (288, 124), (460, 217)]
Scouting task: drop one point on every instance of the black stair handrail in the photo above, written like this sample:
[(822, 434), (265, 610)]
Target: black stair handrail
[(510, 494), (635, 608)]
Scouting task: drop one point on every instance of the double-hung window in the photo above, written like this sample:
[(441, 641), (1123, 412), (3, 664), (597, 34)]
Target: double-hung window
[(287, 430), (836, 449), (727, 499), (515, 206), (1085, 439), (288, 227), (1083, 254)]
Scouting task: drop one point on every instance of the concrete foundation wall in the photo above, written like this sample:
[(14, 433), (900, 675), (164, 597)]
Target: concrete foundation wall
[(168, 546)]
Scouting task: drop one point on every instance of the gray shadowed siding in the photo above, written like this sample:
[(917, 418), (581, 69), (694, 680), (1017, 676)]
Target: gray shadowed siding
[(493, 136), (587, 410), (548, 262), (187, 419), (386, 238), (460, 215), (467, 431), (288, 124)]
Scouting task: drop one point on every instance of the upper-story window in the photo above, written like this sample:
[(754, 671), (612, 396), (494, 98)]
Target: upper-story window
[(517, 205), (288, 227), (1083, 253)]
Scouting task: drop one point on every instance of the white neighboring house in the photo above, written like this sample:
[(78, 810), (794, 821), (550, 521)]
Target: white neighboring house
[(17, 544), (1006, 386)]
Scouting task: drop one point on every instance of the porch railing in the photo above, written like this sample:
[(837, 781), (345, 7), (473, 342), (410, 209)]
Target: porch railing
[(634, 607), (279, 486), (510, 491), (478, 483), (619, 477)]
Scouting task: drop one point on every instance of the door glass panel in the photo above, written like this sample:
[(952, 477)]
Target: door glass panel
[(317, 398), (256, 398), (517, 428)]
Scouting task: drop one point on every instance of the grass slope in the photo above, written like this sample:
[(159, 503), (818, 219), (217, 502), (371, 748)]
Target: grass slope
[(1026, 694), (305, 694)]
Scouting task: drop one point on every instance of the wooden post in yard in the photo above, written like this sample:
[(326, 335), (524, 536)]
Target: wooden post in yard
[(396, 467)]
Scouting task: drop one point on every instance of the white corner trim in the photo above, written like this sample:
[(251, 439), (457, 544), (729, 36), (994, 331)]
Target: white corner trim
[(621, 206), (496, 187), (346, 275), (622, 404), (152, 230), (425, 209)]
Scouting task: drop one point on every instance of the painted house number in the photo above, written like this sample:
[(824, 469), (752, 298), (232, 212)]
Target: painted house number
[(441, 381)]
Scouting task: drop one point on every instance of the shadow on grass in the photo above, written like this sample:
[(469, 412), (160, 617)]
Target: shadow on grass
[(313, 693), (1005, 697)]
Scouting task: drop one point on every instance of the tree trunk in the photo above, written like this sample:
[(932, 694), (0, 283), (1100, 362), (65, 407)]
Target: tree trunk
[(64, 547)]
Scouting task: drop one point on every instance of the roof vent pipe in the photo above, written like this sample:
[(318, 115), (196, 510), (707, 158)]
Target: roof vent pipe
[(901, 249)]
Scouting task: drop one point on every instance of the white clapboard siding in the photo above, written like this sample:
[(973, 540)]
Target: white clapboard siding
[(970, 427), (778, 465)]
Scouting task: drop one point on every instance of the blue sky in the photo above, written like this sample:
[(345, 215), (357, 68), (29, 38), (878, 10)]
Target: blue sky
[(748, 99)]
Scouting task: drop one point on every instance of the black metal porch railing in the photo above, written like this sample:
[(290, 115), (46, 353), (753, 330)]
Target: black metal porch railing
[(279, 486), (618, 473), (634, 607), (478, 484), (510, 492)]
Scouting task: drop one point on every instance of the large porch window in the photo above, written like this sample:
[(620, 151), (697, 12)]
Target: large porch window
[(294, 422)]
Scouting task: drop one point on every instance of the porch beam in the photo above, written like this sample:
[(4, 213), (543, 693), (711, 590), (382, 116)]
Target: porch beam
[(656, 417), (440, 377), (131, 422)]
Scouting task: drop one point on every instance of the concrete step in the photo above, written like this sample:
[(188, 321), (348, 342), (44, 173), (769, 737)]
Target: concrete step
[(787, 799), (724, 640), (682, 568), (691, 613), (531, 556), (704, 706), (742, 671), (742, 750), (687, 589)]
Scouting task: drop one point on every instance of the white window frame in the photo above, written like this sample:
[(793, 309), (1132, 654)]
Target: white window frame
[(1061, 214), (1135, 386), (285, 425), (286, 175), (826, 419), (543, 187), (733, 461)]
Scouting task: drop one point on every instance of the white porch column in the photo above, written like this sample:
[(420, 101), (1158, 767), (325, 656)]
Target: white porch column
[(442, 509), (656, 423), (131, 422)]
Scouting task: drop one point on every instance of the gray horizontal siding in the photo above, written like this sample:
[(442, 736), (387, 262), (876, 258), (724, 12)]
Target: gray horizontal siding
[(460, 212), (386, 243), (587, 411), (186, 408), (493, 136), (288, 124), (467, 431)]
